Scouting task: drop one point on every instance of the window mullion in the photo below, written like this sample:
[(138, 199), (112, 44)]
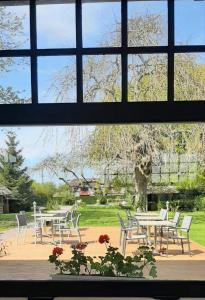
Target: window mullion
[(79, 45)]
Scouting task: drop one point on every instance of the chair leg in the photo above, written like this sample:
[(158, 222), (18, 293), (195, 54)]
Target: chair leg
[(120, 241), (124, 245), (182, 246), (167, 245), (79, 236), (189, 247)]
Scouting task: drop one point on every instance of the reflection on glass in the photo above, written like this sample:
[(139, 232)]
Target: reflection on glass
[(189, 22), (56, 25), (57, 79), (147, 23), (147, 77), (189, 76), (101, 24), (14, 25), (102, 78), (15, 80)]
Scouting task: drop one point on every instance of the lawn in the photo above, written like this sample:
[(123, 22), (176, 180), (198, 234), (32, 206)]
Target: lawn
[(92, 215), (8, 221)]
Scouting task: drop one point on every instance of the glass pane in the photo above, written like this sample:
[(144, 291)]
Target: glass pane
[(155, 178), (174, 167), (191, 13), (14, 25), (57, 79), (56, 25), (173, 177), (15, 80), (165, 178), (102, 78), (147, 77), (101, 24), (165, 168), (190, 76), (155, 170), (147, 23)]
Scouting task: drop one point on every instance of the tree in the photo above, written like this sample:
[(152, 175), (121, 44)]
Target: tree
[(13, 175), (43, 192)]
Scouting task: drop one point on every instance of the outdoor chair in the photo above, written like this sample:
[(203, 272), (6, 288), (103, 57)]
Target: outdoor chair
[(130, 219), (173, 226), (72, 226), (181, 234), (23, 227), (125, 234)]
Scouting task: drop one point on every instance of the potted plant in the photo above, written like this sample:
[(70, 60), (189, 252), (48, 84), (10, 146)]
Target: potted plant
[(112, 265)]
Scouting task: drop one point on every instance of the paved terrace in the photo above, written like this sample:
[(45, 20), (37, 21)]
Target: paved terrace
[(29, 261)]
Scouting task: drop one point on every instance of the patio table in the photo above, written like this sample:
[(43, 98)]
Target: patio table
[(148, 218), (146, 214), (43, 215), (155, 224), (59, 211)]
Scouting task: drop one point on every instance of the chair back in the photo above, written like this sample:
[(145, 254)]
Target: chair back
[(21, 220), (76, 221), (128, 214), (163, 214), (186, 224), (122, 224), (175, 220)]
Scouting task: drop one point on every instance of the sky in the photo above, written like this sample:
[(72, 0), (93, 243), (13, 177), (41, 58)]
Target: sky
[(56, 28)]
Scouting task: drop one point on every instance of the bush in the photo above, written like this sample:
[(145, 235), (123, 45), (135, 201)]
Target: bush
[(103, 201), (188, 204)]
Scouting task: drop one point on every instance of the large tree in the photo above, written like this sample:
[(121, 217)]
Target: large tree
[(13, 174)]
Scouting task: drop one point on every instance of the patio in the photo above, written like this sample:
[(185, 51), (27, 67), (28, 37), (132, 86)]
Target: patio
[(29, 261)]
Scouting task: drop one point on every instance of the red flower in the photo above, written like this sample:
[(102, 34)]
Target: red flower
[(81, 246), (104, 238), (57, 251)]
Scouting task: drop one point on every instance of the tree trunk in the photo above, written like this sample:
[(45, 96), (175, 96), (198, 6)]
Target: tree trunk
[(140, 189)]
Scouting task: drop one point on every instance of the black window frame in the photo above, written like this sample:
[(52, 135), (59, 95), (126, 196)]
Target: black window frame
[(101, 113), (97, 113)]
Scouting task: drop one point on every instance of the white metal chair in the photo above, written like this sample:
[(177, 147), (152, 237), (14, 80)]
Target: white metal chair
[(182, 234), (71, 226), (23, 227), (125, 234)]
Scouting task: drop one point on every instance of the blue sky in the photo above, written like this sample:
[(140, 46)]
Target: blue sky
[(56, 28)]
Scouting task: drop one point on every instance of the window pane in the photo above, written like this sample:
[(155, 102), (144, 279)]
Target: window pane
[(14, 25), (101, 24), (147, 23), (57, 79), (147, 77), (102, 78), (189, 22), (15, 80), (56, 25), (190, 76)]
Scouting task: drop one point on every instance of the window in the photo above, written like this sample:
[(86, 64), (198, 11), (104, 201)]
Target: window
[(143, 50)]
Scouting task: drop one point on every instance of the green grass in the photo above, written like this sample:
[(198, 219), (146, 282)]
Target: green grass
[(8, 221), (92, 216), (100, 215)]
